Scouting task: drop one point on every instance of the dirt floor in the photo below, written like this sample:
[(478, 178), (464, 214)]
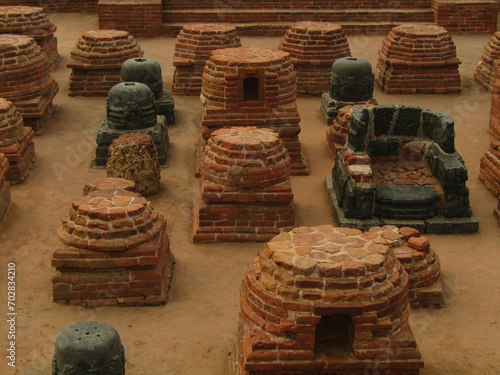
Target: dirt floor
[(195, 331)]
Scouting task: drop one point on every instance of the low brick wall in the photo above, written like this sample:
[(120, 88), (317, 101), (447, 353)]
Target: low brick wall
[(466, 16), (59, 5)]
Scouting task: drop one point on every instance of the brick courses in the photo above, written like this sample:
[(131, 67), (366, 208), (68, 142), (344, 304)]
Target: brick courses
[(485, 72), (245, 189), (31, 21), (253, 86), (310, 275), (5, 200), (494, 127), (113, 250), (313, 48), (466, 16), (418, 59), (25, 79), (96, 61), (193, 46), (59, 5), (16, 142)]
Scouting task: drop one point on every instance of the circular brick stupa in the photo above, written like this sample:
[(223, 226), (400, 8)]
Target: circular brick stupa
[(313, 48), (245, 192), (33, 22), (253, 86), (325, 300), (417, 58), (111, 243), (96, 61), (25, 79), (485, 72), (194, 44)]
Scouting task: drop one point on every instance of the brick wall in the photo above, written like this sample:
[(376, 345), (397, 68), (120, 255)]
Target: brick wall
[(58, 5), (466, 16)]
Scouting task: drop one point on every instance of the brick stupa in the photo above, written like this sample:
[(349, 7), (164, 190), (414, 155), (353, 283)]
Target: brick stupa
[(16, 142), (96, 61), (313, 48), (25, 79), (4, 189), (418, 58), (484, 74), (325, 300), (245, 189), (113, 250), (33, 22), (193, 46), (253, 86)]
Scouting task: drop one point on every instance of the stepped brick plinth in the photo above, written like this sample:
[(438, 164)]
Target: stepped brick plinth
[(418, 59), (25, 79), (5, 201), (253, 86), (494, 128), (497, 211), (16, 142), (489, 171), (325, 300), (113, 250), (107, 183), (245, 190), (313, 48), (193, 46), (133, 156), (485, 72), (96, 61), (33, 22)]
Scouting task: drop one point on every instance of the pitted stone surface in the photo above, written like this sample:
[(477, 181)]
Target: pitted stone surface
[(485, 71), (33, 22)]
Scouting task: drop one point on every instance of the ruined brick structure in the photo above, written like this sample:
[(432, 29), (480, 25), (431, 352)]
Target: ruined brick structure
[(193, 46), (324, 300), (466, 16), (485, 72), (113, 250), (245, 189), (25, 79), (494, 127), (16, 142), (400, 166), (96, 61), (109, 183), (5, 200), (253, 86), (497, 211), (313, 48), (418, 59), (33, 22), (133, 156)]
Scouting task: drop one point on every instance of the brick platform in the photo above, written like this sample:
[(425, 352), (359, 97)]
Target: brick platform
[(484, 74), (142, 18), (113, 250), (16, 142), (253, 86), (96, 61), (494, 128), (193, 46), (324, 300), (245, 189), (5, 201), (33, 22), (418, 59), (489, 171), (25, 79), (466, 16), (313, 48)]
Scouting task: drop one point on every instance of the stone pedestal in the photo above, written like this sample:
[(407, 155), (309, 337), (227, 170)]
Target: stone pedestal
[(418, 59), (33, 22), (88, 348), (25, 79), (4, 189), (16, 142), (253, 87), (485, 72), (133, 156), (313, 48), (113, 250), (245, 190), (194, 44), (96, 61), (324, 300)]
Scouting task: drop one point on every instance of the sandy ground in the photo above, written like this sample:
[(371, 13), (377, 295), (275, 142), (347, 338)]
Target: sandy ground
[(194, 332)]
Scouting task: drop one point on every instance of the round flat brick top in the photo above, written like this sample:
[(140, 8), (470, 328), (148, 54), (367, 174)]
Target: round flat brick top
[(104, 35), (27, 20), (11, 124), (342, 264), (109, 183), (209, 28), (316, 28), (248, 56), (12, 46), (419, 30), (246, 157), (109, 220)]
